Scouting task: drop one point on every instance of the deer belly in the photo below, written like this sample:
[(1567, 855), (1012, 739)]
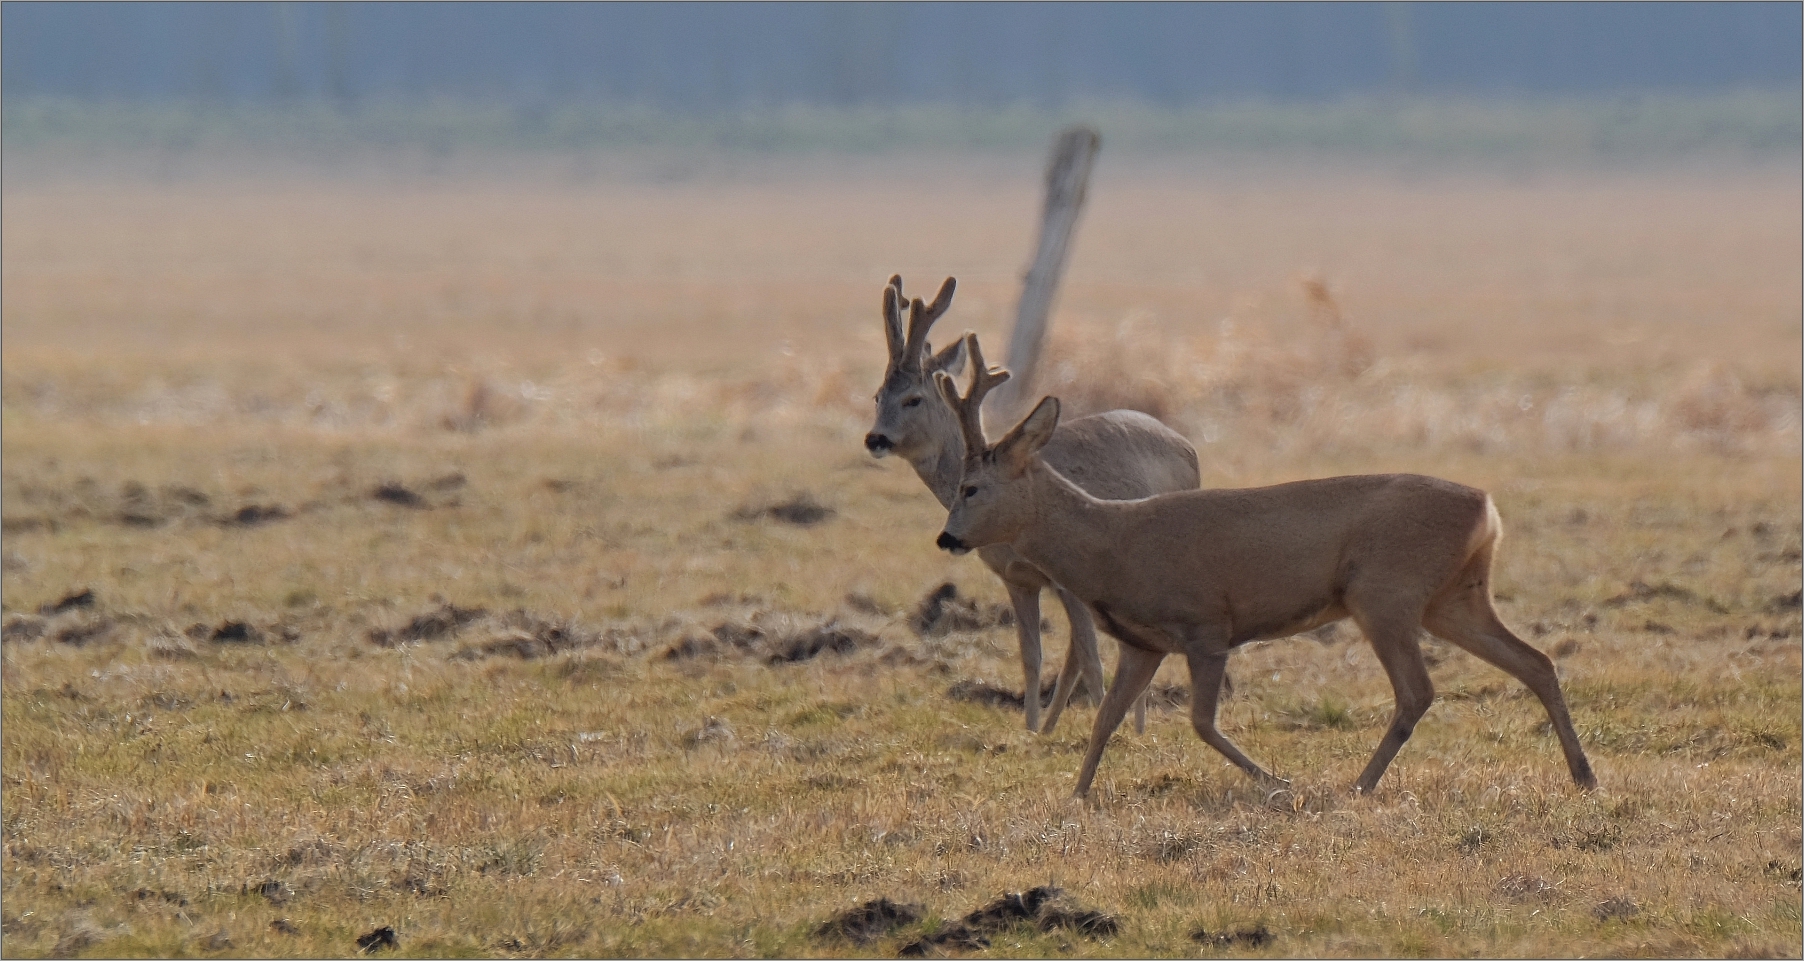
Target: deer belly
[(1145, 637), (1263, 625)]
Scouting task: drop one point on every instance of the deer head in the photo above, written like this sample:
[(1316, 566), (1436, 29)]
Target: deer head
[(910, 420), (992, 504)]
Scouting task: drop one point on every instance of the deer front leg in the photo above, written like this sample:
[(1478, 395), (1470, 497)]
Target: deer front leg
[(1207, 668), (1026, 601), (1135, 671)]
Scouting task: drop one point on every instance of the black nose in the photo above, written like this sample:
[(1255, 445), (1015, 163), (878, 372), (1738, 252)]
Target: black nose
[(949, 543), (877, 442)]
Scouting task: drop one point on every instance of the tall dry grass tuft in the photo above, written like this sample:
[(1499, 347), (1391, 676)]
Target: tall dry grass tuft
[(1266, 368), (1295, 374)]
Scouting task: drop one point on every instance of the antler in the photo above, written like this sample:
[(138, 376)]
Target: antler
[(892, 319), (921, 318), (969, 408)]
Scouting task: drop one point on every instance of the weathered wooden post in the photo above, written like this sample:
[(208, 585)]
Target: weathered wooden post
[(1067, 178)]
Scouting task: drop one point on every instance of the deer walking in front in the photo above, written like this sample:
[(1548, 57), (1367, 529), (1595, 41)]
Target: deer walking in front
[(1201, 572), (1121, 453)]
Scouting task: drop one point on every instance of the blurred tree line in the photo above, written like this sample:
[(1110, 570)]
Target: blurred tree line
[(713, 57)]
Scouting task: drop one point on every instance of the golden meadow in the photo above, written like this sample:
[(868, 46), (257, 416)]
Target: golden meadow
[(485, 550)]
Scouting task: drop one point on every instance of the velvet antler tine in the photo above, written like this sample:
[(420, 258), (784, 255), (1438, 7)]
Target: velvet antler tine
[(969, 408), (892, 321), (920, 321)]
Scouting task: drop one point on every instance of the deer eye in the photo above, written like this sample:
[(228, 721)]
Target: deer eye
[(970, 492), (912, 402)]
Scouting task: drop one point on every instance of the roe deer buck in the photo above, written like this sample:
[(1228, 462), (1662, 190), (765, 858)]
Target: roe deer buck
[(1199, 573), (1117, 454)]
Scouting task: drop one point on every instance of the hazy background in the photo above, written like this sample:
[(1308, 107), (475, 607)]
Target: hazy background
[(699, 56), (1467, 79)]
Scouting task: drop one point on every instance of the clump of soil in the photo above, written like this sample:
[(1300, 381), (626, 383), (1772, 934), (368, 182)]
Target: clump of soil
[(77, 627), (869, 921), (1642, 591), (527, 636), (943, 612), (725, 638), (241, 632), (398, 495), (810, 644), (377, 940), (1044, 907), (1254, 937), (983, 692), (443, 621), (251, 515), (800, 509), (80, 599), (789, 647), (139, 506)]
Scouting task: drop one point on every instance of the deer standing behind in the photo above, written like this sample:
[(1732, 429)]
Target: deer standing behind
[(1199, 573), (1117, 454)]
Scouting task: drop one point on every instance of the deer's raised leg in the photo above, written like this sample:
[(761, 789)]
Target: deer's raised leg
[(1207, 668), (1393, 636), (1135, 671), (1467, 618)]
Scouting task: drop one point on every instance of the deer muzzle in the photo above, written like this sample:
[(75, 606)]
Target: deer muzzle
[(878, 444), (947, 542)]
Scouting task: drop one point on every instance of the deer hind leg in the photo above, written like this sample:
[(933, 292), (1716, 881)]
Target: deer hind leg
[(1131, 677), (1465, 616), (1026, 601), (1206, 672), (1080, 656), (1393, 637)]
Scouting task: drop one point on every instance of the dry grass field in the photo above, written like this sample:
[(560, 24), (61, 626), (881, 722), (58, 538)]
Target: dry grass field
[(490, 555)]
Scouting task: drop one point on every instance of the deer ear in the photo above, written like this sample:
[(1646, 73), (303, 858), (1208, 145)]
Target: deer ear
[(1016, 450), (951, 360)]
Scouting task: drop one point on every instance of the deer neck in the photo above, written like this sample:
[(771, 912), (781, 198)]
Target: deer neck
[(941, 466), (1068, 531)]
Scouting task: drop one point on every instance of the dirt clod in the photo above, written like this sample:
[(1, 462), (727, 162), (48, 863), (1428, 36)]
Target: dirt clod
[(983, 692), (377, 940), (432, 625), (1253, 937), (81, 628), (528, 636), (23, 627), (812, 643), (943, 612), (251, 515), (869, 921), (235, 632), (1642, 591), (398, 495), (1044, 907), (80, 599), (800, 509)]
